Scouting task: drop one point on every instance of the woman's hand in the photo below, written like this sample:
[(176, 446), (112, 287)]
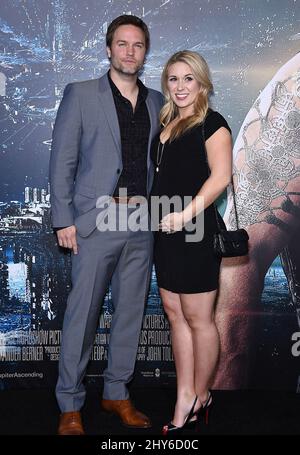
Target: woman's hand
[(172, 222)]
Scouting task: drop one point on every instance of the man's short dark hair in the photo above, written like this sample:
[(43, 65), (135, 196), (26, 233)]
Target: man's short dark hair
[(127, 19)]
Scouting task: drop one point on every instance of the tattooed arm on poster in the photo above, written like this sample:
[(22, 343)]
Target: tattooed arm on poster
[(267, 186)]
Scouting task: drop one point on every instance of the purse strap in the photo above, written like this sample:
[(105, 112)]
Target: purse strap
[(232, 185)]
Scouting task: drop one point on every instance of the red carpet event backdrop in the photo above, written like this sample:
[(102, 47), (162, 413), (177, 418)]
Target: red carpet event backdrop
[(252, 49)]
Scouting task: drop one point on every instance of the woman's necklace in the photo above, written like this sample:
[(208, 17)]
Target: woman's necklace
[(159, 155)]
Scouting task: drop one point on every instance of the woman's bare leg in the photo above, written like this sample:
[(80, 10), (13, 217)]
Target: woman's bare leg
[(198, 310), (182, 346)]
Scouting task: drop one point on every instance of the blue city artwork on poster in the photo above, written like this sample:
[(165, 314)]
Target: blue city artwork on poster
[(43, 46)]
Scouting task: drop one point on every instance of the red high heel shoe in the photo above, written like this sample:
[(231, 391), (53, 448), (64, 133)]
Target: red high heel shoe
[(206, 406), (188, 423)]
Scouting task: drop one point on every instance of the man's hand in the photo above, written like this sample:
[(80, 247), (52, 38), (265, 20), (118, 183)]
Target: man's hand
[(67, 238)]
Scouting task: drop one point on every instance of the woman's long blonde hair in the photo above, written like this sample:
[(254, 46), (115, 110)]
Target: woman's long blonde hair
[(201, 73)]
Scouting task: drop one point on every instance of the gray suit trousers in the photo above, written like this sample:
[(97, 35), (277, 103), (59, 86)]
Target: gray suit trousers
[(123, 258)]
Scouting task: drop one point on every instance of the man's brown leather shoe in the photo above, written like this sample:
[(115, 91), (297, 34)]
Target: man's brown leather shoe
[(128, 414), (70, 424)]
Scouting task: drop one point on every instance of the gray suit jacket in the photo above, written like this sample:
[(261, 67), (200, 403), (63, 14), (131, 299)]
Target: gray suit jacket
[(86, 156)]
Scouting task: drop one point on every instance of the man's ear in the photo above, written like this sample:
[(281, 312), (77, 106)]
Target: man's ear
[(108, 52)]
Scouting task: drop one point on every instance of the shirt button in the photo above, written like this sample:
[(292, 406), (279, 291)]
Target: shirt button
[(118, 171)]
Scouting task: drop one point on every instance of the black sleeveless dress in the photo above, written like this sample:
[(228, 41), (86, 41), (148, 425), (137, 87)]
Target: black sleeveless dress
[(181, 266)]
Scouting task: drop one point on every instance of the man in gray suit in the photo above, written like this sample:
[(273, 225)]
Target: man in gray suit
[(101, 146)]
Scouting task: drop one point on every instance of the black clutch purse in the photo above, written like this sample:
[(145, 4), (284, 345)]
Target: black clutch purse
[(228, 243), (231, 243)]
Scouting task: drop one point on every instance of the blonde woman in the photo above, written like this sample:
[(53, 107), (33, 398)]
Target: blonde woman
[(188, 271)]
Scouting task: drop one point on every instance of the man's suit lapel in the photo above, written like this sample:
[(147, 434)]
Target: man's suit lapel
[(153, 114), (108, 106)]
